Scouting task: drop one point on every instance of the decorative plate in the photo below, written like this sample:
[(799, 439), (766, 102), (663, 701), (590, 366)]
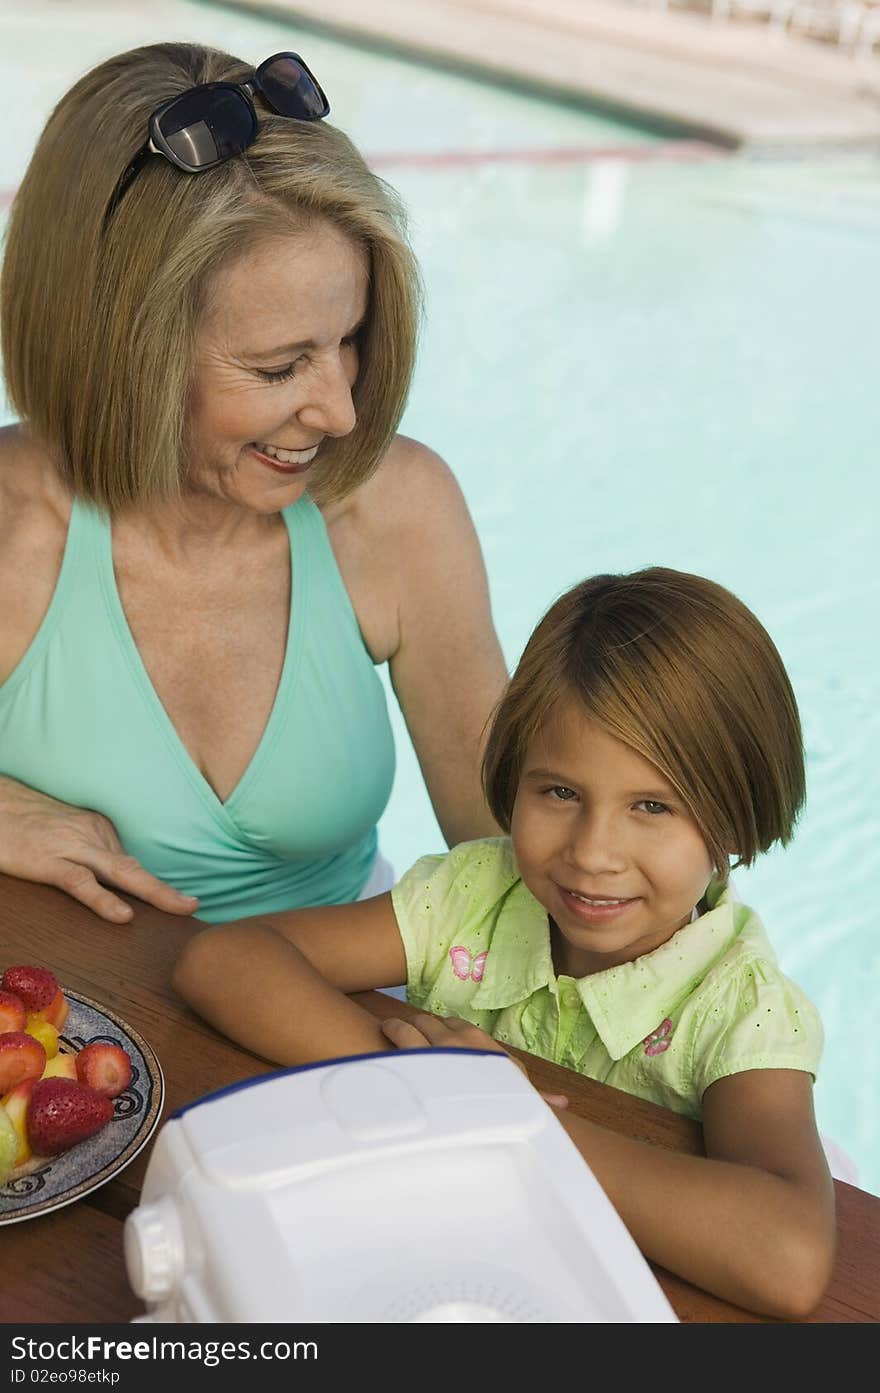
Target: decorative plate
[(92, 1163)]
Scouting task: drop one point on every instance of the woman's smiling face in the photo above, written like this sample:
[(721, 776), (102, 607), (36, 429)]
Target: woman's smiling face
[(275, 362), (605, 843)]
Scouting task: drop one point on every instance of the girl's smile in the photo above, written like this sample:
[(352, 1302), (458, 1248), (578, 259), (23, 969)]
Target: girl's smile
[(594, 910), (605, 843)]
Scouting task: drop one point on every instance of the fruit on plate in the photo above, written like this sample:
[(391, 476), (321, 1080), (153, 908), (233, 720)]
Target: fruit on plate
[(55, 1013), (62, 1112), (104, 1067), (52, 1097), (46, 1034), (35, 986), (61, 1066), (8, 1147), (21, 1057), (13, 1015), (15, 1107)]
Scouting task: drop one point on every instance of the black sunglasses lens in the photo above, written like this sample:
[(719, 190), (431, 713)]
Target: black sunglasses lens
[(206, 126), (290, 89)]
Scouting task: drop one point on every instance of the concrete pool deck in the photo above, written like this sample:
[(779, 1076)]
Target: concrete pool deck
[(734, 82)]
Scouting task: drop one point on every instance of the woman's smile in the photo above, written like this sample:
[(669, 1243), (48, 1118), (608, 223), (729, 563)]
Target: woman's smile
[(284, 461)]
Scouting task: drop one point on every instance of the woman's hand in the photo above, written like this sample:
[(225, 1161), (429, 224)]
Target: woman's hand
[(79, 852), (448, 1032)]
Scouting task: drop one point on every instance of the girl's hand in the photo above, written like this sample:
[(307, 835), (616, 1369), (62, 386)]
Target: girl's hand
[(448, 1032), (77, 851)]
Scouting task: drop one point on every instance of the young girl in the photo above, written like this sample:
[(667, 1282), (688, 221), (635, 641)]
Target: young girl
[(648, 738)]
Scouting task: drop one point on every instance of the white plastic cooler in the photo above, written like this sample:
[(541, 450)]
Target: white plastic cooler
[(419, 1185)]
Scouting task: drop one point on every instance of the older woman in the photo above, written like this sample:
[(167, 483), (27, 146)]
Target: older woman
[(211, 534)]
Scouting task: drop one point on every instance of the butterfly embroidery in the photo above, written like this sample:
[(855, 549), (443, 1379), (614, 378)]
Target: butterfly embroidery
[(465, 965), (658, 1040)]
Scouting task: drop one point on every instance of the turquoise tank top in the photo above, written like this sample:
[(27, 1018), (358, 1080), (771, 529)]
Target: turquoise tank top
[(80, 720)]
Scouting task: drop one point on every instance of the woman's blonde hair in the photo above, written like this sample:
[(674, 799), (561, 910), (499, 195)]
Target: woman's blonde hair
[(98, 324), (677, 668)]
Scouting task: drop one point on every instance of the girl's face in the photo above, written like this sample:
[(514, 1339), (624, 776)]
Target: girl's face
[(275, 361), (605, 844)]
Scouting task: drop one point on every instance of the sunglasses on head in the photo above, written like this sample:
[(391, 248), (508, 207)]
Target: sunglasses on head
[(218, 120)]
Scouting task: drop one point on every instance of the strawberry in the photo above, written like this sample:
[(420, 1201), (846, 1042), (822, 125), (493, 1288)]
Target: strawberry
[(21, 1057), (104, 1067), (12, 1012), (62, 1112), (35, 985)]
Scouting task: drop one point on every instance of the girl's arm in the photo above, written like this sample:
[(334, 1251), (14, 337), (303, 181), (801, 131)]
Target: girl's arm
[(752, 1221), (277, 984)]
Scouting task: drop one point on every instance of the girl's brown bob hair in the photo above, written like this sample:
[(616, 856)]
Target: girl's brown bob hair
[(98, 325), (681, 671)]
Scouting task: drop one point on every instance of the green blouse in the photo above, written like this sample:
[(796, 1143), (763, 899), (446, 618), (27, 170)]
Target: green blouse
[(710, 1002)]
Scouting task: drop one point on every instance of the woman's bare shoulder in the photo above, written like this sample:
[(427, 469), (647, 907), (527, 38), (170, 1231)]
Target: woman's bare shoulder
[(412, 484), (380, 533), (29, 486), (34, 515), (415, 466)]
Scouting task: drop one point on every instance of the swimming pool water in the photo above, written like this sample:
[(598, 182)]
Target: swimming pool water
[(631, 361), (693, 387)]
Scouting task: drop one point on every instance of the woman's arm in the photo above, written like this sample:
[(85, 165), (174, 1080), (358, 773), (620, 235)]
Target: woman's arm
[(409, 554), (277, 985), (752, 1221), (448, 671)]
